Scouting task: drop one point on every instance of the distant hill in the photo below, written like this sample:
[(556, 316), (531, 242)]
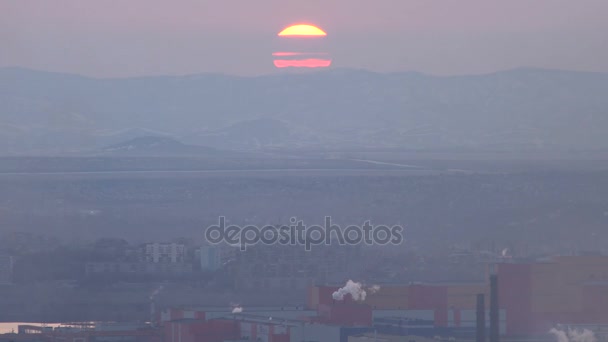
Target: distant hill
[(523, 109), (254, 135), (106, 138), (160, 146)]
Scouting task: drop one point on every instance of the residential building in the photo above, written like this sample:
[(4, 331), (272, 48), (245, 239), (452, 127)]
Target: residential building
[(165, 252)]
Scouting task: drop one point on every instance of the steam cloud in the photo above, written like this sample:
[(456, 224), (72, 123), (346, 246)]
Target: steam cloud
[(156, 292), (356, 290), (374, 289), (237, 309), (573, 335)]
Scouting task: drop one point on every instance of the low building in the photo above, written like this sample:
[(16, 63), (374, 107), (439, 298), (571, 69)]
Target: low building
[(137, 268)]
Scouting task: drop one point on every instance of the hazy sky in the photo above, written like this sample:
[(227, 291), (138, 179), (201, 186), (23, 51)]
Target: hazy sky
[(110, 38)]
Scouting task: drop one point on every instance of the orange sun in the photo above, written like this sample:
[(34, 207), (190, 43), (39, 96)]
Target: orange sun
[(302, 30), (315, 38)]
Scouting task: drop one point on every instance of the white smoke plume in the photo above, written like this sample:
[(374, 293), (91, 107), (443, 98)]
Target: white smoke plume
[(573, 335), (237, 309), (584, 335), (373, 289), (156, 292), (356, 290), (560, 335)]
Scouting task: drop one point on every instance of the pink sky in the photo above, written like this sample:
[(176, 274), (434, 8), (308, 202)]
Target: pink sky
[(142, 37)]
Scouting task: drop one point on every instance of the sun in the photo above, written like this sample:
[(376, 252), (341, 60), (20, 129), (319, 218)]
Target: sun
[(302, 30), (302, 53)]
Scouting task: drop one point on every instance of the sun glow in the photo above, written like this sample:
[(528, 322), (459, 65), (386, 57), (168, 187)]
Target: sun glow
[(302, 63), (299, 54), (292, 54), (302, 30)]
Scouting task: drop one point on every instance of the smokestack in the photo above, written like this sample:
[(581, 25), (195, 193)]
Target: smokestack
[(481, 319), (494, 319), (152, 313)]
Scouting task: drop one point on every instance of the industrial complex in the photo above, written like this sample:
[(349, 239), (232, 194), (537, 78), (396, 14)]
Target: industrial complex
[(519, 300)]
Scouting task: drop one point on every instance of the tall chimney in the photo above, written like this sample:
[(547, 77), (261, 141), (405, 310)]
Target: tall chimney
[(494, 318), (481, 319), (152, 312)]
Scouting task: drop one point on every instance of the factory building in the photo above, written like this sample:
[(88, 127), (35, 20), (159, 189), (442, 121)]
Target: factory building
[(568, 290), (256, 327), (447, 305), (533, 297), (330, 322), (194, 330), (413, 297)]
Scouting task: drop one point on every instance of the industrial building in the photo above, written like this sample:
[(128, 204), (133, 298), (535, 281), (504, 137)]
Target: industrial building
[(527, 299), (421, 308), (567, 290), (337, 321), (269, 326), (533, 297)]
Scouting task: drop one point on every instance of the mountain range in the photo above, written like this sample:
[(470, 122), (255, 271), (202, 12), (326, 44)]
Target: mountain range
[(522, 109), (158, 146)]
